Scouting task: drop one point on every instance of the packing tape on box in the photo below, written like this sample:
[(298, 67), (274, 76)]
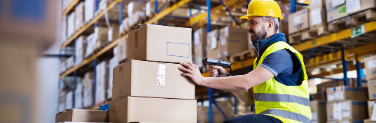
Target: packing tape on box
[(161, 74)]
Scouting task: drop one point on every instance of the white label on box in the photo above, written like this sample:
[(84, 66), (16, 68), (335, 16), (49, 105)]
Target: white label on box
[(345, 121), (338, 2), (297, 20), (371, 104), (223, 41), (314, 116), (199, 62), (345, 109), (161, 74), (219, 55), (183, 48), (225, 53), (331, 97), (352, 5), (110, 34), (337, 111), (373, 117), (213, 42), (371, 64), (316, 16)]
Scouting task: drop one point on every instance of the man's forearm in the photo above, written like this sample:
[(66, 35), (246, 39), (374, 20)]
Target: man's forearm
[(232, 83)]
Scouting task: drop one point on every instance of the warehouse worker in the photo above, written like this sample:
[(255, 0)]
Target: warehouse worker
[(278, 84)]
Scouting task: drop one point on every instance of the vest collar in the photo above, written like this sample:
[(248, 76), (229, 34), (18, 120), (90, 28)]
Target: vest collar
[(263, 44)]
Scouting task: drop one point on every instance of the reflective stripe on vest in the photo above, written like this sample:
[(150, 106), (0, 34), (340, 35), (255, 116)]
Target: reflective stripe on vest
[(281, 98), (287, 114)]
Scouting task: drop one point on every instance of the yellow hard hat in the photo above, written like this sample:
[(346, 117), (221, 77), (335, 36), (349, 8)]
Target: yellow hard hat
[(263, 8)]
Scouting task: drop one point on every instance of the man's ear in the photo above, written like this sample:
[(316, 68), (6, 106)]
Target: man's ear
[(270, 25)]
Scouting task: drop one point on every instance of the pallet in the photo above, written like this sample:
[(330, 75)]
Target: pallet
[(352, 20), (242, 56), (310, 34)]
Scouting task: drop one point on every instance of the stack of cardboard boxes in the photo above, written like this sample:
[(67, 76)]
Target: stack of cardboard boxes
[(199, 46), (370, 70), (226, 42), (164, 95)]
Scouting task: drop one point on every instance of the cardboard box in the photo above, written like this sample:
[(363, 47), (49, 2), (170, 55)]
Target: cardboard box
[(369, 121), (299, 21), (233, 40), (71, 22), (141, 109), (346, 93), (160, 43), (213, 45), (90, 45), (149, 7), (370, 64), (62, 100), (136, 18), (335, 9), (317, 17), (79, 11), (101, 82), (78, 100), (88, 89), (319, 96), (318, 109), (199, 40), (69, 100), (164, 80), (80, 49), (112, 64), (346, 110), (82, 115), (113, 33), (351, 121), (203, 113), (89, 10), (133, 7), (121, 49), (371, 89), (321, 88), (100, 36), (370, 105), (355, 6)]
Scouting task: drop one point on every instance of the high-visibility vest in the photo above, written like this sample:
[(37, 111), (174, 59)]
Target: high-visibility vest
[(290, 104)]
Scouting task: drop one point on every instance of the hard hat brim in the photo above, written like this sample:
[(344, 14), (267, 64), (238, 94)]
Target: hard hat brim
[(246, 17)]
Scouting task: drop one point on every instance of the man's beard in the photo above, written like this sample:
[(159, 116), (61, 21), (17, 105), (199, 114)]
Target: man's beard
[(259, 35)]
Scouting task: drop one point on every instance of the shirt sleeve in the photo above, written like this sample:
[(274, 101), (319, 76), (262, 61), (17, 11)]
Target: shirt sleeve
[(278, 62)]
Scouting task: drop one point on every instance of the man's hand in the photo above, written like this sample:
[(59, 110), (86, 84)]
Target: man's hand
[(192, 71), (213, 70)]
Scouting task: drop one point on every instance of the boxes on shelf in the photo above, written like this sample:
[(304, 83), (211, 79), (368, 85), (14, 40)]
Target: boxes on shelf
[(63, 66), (136, 18), (82, 115), (121, 49), (347, 93), (124, 27), (319, 96), (69, 62), (371, 89), (64, 29), (113, 33), (203, 113), (298, 21), (160, 43), (69, 100), (318, 109), (233, 40), (317, 16), (90, 45), (354, 6), (149, 7), (141, 109), (213, 49), (130, 80), (71, 22), (80, 46), (180, 12), (133, 7), (66, 3), (321, 88), (199, 46), (78, 101), (88, 89), (370, 106), (100, 36), (89, 10), (346, 110), (101, 82), (335, 9), (346, 121), (80, 16), (112, 64), (370, 67)]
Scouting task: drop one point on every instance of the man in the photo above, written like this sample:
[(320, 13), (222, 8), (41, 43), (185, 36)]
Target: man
[(278, 84)]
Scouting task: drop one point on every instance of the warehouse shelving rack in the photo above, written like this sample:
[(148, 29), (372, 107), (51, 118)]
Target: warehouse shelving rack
[(311, 62)]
